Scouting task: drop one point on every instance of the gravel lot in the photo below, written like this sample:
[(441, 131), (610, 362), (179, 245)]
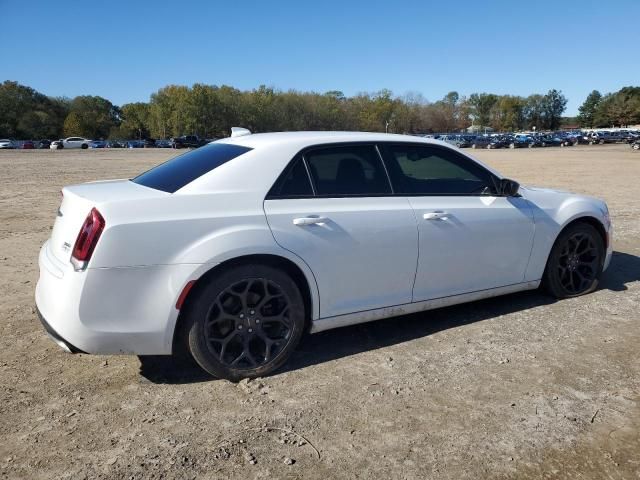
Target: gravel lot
[(514, 387)]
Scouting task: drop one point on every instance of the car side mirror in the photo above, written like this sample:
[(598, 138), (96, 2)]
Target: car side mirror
[(509, 188)]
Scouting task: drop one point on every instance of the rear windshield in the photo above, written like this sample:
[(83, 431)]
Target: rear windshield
[(174, 174)]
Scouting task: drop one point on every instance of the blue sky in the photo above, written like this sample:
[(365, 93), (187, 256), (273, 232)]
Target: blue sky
[(125, 50)]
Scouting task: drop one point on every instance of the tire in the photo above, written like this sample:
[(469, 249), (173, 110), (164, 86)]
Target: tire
[(228, 330), (512, 146), (636, 147), (575, 262), (84, 146), (601, 142), (473, 146), (530, 145)]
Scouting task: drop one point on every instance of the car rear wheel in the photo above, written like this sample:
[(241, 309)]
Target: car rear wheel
[(575, 263), (245, 323), (84, 146)]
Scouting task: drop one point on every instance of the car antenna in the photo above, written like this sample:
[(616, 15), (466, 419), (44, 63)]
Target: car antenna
[(239, 131)]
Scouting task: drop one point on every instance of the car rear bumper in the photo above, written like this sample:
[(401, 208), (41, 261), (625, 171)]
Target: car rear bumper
[(129, 310)]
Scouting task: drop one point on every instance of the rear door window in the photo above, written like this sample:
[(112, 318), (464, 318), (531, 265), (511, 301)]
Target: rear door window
[(347, 170), (183, 169)]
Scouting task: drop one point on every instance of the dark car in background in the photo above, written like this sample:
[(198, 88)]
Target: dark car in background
[(28, 145), (635, 145), (480, 141), (149, 143), (115, 144), (163, 144), (520, 141), (44, 143), (134, 144), (497, 142), (188, 141), (98, 144)]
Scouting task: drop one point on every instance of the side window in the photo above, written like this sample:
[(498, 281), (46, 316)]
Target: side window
[(433, 170), (294, 182), (347, 170)]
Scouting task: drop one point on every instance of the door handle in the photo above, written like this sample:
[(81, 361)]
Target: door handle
[(435, 216), (310, 221)]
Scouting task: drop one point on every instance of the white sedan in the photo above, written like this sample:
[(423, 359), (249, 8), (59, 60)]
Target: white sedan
[(6, 144), (234, 250), (76, 142)]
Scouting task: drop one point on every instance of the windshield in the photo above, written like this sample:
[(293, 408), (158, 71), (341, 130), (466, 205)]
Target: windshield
[(181, 170)]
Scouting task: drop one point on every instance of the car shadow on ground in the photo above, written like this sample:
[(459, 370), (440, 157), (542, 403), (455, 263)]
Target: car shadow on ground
[(344, 342)]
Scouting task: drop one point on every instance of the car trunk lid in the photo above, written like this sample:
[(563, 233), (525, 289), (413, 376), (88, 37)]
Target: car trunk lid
[(77, 202)]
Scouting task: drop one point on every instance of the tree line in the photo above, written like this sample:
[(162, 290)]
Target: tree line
[(210, 111)]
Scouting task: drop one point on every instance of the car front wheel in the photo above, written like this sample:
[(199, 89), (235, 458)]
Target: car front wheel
[(246, 322), (575, 263)]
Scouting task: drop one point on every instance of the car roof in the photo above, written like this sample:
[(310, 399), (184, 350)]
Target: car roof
[(256, 140)]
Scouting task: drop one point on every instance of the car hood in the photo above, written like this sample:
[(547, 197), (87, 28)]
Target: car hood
[(549, 198)]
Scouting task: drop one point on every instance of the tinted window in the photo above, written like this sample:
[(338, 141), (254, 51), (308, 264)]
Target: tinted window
[(294, 182), (430, 170), (347, 170), (179, 171)]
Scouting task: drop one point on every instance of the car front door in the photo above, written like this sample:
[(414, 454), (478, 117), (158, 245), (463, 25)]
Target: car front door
[(470, 238), (333, 208)]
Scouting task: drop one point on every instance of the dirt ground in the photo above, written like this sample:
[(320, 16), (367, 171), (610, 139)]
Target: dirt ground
[(514, 387)]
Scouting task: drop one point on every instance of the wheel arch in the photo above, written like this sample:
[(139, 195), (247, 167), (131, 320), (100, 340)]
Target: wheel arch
[(589, 220), (309, 296)]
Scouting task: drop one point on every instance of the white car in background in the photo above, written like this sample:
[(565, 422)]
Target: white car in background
[(237, 248), (6, 144), (76, 142)]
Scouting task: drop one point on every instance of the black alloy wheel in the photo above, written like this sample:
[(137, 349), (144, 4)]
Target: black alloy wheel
[(576, 261), (246, 322)]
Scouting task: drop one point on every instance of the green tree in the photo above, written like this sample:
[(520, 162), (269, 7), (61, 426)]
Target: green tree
[(481, 106), (135, 121), (72, 125), (588, 109), (554, 105)]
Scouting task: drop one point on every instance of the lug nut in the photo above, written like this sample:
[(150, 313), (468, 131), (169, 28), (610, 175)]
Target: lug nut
[(250, 330), (242, 315), (252, 312), (257, 320), (239, 327)]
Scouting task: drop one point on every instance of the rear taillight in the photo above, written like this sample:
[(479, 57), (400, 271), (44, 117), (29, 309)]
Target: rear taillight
[(87, 239)]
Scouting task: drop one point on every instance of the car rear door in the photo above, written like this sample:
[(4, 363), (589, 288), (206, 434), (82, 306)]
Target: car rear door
[(333, 208), (470, 238)]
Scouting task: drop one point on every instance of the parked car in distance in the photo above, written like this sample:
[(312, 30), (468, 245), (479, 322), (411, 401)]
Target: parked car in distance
[(76, 142), (521, 141), (496, 142), (6, 144), (28, 145), (57, 145), (550, 141), (149, 143), (600, 138), (188, 141), (115, 144), (134, 144), (635, 145), (163, 144), (44, 143), (258, 239), (480, 142), (98, 144)]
